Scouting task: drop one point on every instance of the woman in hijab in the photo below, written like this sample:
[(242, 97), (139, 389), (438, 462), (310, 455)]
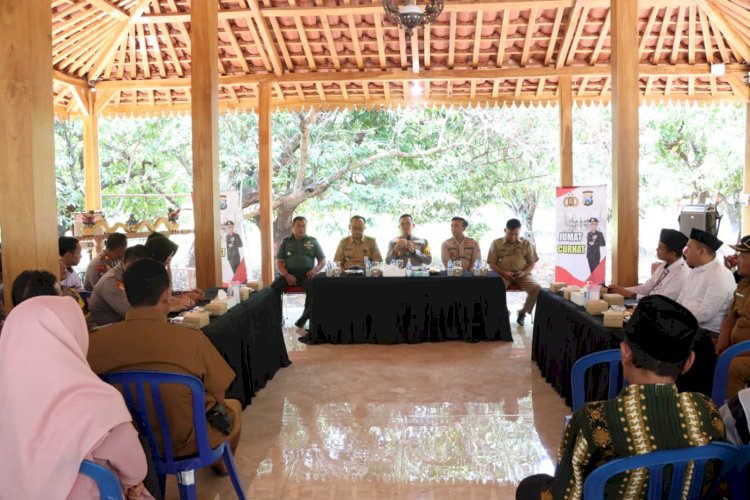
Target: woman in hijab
[(56, 411)]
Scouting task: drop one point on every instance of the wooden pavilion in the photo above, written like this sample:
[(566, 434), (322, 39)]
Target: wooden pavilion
[(93, 58)]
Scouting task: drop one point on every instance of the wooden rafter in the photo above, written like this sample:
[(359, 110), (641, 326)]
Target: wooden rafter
[(738, 46), (570, 28), (110, 9), (706, 32), (602, 36), (330, 44), (503, 39), (647, 30), (527, 39), (265, 34), (677, 39), (553, 36), (119, 32), (477, 40), (665, 20)]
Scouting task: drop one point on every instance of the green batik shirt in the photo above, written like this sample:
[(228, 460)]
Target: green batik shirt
[(641, 419), (299, 255)]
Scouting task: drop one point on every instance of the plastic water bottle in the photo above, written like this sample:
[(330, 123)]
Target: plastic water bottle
[(586, 292), (449, 269), (477, 267), (409, 269), (368, 267), (329, 268)]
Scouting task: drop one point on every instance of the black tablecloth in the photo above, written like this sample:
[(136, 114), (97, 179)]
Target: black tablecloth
[(355, 309), (564, 332), (250, 338)]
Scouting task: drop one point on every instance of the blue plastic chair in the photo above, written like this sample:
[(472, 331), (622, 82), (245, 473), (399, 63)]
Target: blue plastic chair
[(133, 386), (105, 479), (721, 372), (722, 454), (578, 375)]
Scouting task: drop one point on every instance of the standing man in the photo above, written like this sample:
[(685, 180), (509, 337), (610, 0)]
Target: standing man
[(514, 258), (669, 276), (234, 243), (296, 262), (408, 246), (594, 242), (709, 287), (114, 249), (460, 247), (736, 326), (70, 254), (353, 249)]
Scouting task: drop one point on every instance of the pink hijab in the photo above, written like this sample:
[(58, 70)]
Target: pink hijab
[(55, 410)]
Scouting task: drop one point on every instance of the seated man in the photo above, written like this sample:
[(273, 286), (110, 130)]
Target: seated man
[(146, 341), (408, 246), (646, 416), (115, 246), (460, 247), (668, 276), (108, 302), (70, 253), (736, 326), (709, 286), (513, 258), (163, 250), (295, 261), (353, 249)]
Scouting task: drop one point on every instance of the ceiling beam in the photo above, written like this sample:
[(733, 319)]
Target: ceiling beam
[(426, 75)]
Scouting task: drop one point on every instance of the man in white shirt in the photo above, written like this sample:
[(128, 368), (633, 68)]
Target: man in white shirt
[(669, 276), (709, 287)]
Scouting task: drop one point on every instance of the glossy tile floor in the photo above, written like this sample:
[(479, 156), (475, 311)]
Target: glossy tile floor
[(447, 420)]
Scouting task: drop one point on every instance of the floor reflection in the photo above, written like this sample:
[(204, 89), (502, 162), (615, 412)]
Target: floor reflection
[(437, 420)]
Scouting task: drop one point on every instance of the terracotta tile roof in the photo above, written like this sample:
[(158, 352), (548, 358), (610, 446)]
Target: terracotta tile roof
[(346, 53)]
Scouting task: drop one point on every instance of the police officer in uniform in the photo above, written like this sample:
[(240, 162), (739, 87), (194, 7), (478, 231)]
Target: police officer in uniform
[(408, 246), (594, 241), (234, 243), (514, 258), (296, 262), (353, 249), (460, 247)]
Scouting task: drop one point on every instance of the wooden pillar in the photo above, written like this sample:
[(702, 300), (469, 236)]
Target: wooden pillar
[(204, 37), (625, 141), (265, 186), (746, 176), (566, 131), (91, 173), (28, 212)]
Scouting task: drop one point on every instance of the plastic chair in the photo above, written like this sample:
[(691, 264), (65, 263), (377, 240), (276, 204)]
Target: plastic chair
[(133, 386), (721, 372), (726, 454), (578, 375), (105, 479)]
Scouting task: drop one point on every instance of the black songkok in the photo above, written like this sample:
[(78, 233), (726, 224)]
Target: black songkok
[(707, 239), (673, 239), (662, 328)]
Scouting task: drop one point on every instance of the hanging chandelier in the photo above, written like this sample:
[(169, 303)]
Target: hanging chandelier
[(410, 15)]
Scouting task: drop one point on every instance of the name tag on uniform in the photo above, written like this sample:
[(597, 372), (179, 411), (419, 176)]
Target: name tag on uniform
[(289, 254), (738, 294)]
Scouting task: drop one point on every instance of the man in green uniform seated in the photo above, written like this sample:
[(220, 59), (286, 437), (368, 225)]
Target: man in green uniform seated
[(646, 416), (296, 262)]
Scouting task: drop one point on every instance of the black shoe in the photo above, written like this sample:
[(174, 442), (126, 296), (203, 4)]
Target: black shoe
[(300, 323), (521, 317)]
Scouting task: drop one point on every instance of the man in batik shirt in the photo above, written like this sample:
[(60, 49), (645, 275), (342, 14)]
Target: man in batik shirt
[(646, 416)]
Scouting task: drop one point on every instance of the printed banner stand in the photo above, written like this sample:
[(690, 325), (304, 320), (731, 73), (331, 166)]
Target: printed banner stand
[(233, 261), (581, 228)]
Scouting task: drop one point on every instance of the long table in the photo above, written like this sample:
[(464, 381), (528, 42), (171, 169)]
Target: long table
[(564, 332), (250, 338), (356, 309)]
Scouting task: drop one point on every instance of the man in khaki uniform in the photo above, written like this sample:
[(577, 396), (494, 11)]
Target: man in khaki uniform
[(514, 258), (736, 326), (353, 249), (146, 341), (460, 247)]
